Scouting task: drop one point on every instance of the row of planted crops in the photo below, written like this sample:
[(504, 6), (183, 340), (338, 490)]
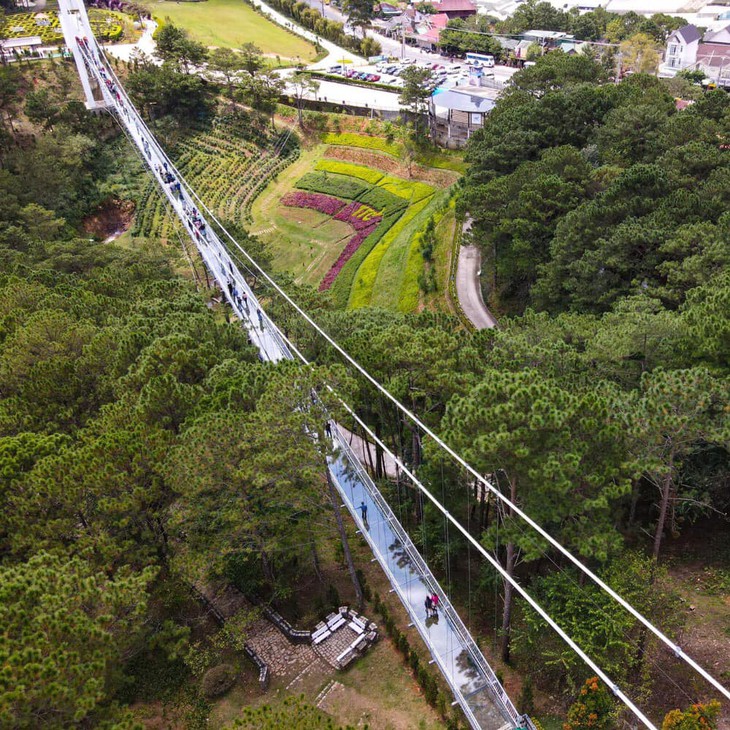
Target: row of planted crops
[(379, 208), (227, 167)]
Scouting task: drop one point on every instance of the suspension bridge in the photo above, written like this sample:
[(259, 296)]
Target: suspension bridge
[(474, 684)]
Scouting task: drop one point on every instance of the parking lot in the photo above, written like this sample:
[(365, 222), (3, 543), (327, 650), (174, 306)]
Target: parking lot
[(443, 74)]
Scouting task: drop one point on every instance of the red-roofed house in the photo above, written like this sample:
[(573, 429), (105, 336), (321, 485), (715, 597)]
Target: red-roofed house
[(456, 8), (427, 29)]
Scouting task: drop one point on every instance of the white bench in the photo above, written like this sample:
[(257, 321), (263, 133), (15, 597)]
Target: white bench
[(336, 623), (340, 658), (361, 622), (321, 636), (355, 644), (356, 627)]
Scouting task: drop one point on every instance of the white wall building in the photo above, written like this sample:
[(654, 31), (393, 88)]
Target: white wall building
[(681, 51)]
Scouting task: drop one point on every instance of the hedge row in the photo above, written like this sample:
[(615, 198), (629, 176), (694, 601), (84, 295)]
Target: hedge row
[(342, 285), (363, 288), (408, 189), (383, 201), (332, 184), (437, 699)]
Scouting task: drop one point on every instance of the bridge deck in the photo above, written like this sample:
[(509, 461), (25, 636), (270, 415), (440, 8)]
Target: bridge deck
[(466, 670), (462, 664)]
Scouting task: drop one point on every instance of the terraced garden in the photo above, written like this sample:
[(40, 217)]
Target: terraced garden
[(228, 163), (359, 181)]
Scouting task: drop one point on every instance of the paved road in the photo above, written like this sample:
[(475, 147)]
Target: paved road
[(469, 290)]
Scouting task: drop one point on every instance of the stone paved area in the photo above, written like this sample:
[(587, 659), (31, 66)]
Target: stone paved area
[(284, 659), (335, 644)]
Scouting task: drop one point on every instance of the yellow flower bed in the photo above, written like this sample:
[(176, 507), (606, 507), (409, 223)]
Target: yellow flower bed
[(346, 168), (406, 189), (350, 139)]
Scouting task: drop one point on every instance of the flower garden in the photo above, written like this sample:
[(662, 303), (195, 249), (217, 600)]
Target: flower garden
[(380, 209), (106, 25)]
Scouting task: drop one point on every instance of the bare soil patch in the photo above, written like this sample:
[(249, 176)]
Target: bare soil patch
[(112, 218), (438, 178)]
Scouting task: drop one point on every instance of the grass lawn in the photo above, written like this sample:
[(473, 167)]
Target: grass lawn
[(230, 24), (306, 243)]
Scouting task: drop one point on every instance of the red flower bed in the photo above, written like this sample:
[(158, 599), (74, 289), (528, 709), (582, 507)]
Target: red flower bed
[(361, 217), (315, 201), (352, 245)]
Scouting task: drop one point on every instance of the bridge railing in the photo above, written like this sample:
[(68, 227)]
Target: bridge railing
[(273, 346), (496, 691)]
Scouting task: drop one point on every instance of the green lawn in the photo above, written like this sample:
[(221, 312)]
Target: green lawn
[(306, 243), (230, 24)]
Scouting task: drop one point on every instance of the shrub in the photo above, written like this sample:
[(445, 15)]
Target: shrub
[(333, 596), (413, 660), (315, 201), (362, 293), (343, 284), (382, 200), (330, 184), (697, 717), (217, 681), (408, 189), (593, 709), (403, 646)]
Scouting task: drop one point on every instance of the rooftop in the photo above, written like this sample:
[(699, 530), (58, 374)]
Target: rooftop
[(454, 6), (30, 40), (688, 33), (464, 101)]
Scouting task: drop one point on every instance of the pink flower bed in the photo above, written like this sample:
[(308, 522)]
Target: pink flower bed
[(315, 201), (361, 217)]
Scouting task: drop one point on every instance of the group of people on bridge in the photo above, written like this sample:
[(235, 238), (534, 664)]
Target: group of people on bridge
[(237, 295)]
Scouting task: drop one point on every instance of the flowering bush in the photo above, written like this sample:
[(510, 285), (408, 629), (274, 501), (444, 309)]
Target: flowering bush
[(697, 717), (593, 710), (359, 216), (407, 189), (315, 201), (352, 246)]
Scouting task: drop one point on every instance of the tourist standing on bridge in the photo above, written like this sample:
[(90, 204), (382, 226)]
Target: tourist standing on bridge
[(429, 606), (435, 602), (260, 315), (363, 511)]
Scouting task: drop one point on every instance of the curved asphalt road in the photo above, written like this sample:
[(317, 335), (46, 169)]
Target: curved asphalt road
[(469, 289)]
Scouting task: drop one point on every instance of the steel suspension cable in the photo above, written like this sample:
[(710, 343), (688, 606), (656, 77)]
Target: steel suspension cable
[(678, 651)]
